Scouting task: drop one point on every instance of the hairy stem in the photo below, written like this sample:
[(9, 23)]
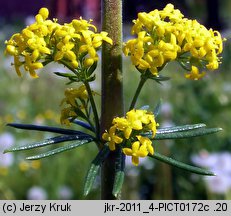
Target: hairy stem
[(112, 86)]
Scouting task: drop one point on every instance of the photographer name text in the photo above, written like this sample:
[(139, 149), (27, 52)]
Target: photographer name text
[(42, 208)]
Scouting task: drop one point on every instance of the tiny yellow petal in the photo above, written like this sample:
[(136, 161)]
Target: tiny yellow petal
[(135, 160), (127, 151)]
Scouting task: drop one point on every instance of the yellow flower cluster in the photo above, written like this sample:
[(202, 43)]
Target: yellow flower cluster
[(75, 99), (127, 132), (25, 166), (74, 44), (165, 35)]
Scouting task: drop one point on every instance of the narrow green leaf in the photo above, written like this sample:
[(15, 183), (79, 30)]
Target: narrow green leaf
[(181, 165), (185, 65), (68, 75), (83, 124), (91, 176), (180, 128), (50, 141), (157, 108), (59, 150), (92, 78), (80, 113), (160, 78), (92, 69), (119, 176), (72, 78), (45, 128), (157, 78), (180, 132), (186, 134), (174, 129), (94, 169), (70, 82), (119, 180)]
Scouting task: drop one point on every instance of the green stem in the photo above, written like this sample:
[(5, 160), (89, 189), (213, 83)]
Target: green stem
[(92, 101), (88, 119), (69, 67), (143, 79), (94, 109), (112, 87)]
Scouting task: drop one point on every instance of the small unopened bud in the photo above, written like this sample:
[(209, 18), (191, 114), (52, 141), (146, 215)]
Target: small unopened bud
[(10, 49), (44, 13), (88, 62)]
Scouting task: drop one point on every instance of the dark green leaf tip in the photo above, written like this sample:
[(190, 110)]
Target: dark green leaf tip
[(59, 150), (181, 165), (94, 169)]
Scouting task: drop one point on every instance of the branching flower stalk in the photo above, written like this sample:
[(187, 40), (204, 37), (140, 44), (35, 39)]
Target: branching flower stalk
[(160, 37), (94, 110), (143, 80)]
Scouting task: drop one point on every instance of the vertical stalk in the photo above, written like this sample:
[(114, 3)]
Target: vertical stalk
[(112, 86), (143, 79), (94, 110)]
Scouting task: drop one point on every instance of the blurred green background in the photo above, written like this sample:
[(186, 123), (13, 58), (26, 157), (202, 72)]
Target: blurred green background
[(37, 101)]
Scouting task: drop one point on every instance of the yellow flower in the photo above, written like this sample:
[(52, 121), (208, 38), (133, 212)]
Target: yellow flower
[(87, 46), (135, 48), (152, 124), (75, 99), (135, 120), (132, 122), (67, 113), (37, 43), (166, 35), (194, 74), (10, 49), (140, 148), (71, 94), (112, 138), (17, 65), (24, 166), (74, 44), (31, 66), (65, 50), (88, 62), (36, 164), (81, 25), (75, 104), (44, 12), (213, 65), (99, 38), (137, 150), (124, 125), (146, 142), (171, 13)]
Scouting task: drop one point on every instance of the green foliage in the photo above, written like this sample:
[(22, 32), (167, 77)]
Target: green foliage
[(205, 105), (181, 165), (186, 131), (94, 169), (58, 150), (120, 174)]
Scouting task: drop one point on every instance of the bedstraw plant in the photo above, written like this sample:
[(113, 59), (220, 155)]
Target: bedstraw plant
[(159, 37)]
